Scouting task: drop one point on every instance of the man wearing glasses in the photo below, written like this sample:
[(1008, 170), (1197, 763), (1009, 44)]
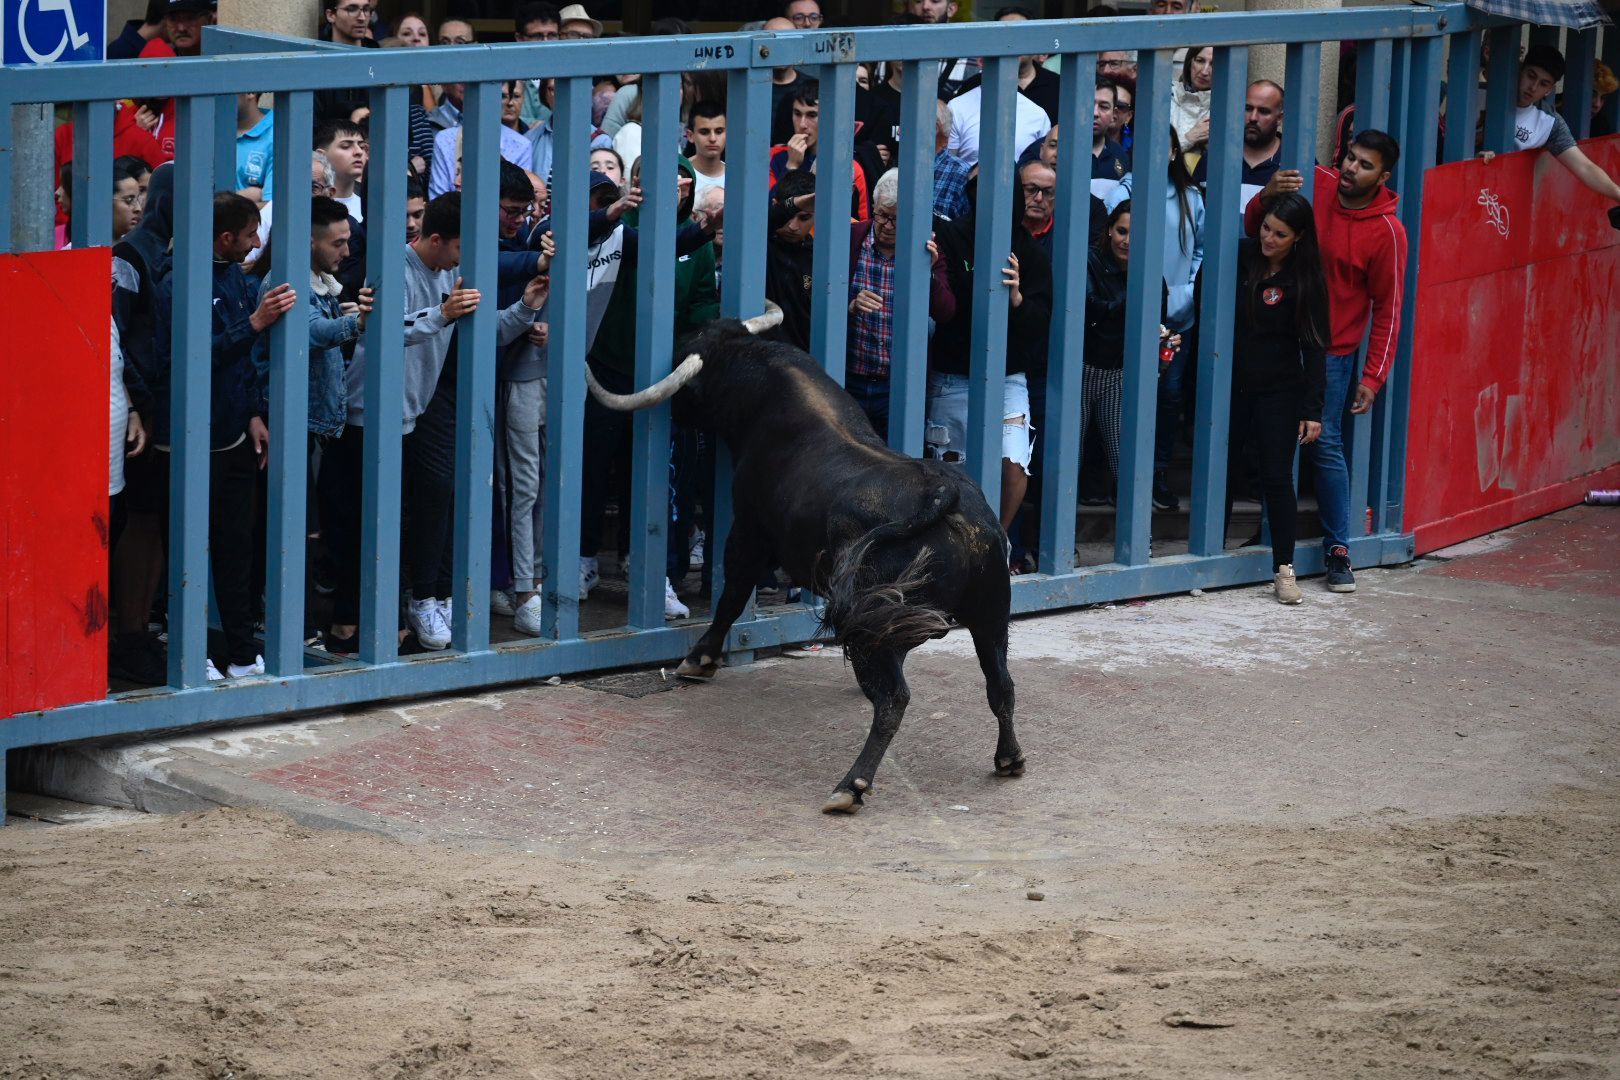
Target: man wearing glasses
[(871, 304), (803, 14), (538, 21), (349, 23)]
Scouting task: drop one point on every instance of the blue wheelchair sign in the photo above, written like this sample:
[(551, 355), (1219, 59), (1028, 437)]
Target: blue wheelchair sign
[(54, 32)]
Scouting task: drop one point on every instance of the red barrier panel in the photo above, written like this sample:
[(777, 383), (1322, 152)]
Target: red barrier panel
[(1516, 371), (54, 442)]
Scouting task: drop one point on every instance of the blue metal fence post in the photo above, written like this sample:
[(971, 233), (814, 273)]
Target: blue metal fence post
[(225, 142), (476, 349), (992, 241), (1143, 306), (1213, 410), (1419, 139), (1581, 55), (286, 528), (655, 334), (1373, 60), (1303, 68), (835, 163), (1502, 88), (384, 391), (92, 173), (1065, 364), (1373, 431), (565, 389), (908, 370), (191, 387), (742, 284), (1462, 94)]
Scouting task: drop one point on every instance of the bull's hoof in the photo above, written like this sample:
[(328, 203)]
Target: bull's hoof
[(1012, 767), (842, 802), (702, 669)]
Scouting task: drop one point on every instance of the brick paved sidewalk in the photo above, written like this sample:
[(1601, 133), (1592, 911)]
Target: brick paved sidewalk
[(1454, 686)]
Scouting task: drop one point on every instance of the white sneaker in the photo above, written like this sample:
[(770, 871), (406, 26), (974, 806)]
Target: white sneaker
[(242, 671), (673, 608), (1285, 586), (213, 673), (589, 575), (695, 559), (527, 618), (428, 623), (444, 616), (502, 602)]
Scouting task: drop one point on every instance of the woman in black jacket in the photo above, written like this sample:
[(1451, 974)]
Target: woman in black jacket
[(1278, 367), (1102, 380)]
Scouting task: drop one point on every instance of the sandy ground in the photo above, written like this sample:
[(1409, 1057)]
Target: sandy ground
[(237, 944), (1421, 881)]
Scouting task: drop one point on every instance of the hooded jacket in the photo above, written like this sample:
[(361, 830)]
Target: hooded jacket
[(696, 300), (329, 330), (141, 260), (1364, 261), (1028, 325)]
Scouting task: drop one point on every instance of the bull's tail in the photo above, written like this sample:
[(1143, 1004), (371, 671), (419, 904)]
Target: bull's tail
[(869, 614)]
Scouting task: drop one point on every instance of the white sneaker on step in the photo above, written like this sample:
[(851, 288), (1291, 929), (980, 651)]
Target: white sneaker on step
[(502, 602), (526, 620), (213, 673), (242, 671), (589, 575), (673, 608), (428, 623)]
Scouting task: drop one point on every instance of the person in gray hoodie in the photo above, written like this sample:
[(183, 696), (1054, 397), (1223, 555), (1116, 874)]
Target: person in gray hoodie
[(434, 299)]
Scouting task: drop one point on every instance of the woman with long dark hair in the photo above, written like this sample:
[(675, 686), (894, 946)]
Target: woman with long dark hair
[(1102, 380), (1279, 368), (1183, 256)]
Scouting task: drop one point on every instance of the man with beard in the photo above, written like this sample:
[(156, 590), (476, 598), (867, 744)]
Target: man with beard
[(1262, 139), (1364, 260)]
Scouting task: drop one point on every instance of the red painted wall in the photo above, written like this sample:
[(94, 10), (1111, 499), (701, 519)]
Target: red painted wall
[(1516, 377), (54, 385)]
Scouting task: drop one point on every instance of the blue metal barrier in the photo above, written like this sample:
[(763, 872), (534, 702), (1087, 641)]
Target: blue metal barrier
[(1403, 51)]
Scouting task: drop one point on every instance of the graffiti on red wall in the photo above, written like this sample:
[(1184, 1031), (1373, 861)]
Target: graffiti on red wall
[(1516, 370)]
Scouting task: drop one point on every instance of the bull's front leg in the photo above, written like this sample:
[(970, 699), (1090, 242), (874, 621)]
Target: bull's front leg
[(748, 551)]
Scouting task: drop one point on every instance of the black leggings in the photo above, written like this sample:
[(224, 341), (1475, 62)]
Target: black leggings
[(1265, 435)]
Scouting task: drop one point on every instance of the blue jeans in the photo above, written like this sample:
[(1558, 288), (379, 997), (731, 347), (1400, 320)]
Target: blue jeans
[(1332, 474), (872, 395), (1167, 425)]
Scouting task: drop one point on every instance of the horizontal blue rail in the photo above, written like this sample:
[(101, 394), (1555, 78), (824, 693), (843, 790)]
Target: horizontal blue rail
[(1404, 57)]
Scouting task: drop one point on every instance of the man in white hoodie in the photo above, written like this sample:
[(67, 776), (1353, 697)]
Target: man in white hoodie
[(434, 300)]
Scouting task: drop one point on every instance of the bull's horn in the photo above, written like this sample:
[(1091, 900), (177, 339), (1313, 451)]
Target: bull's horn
[(761, 323), (656, 394)]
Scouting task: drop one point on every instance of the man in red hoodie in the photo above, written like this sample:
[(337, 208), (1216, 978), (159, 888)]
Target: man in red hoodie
[(1364, 260)]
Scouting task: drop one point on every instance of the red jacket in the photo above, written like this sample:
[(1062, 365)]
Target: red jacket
[(1364, 261), (129, 139)]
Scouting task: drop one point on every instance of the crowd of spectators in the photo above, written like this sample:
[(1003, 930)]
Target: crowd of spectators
[(1313, 276)]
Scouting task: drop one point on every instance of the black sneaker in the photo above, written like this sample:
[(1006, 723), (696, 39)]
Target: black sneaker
[(1339, 578), (1163, 497)]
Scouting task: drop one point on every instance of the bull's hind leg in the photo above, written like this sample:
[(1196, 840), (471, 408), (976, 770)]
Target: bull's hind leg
[(883, 680), (991, 645)]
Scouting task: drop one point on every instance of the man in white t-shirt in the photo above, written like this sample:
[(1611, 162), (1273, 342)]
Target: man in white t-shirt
[(1030, 124), (1535, 128)]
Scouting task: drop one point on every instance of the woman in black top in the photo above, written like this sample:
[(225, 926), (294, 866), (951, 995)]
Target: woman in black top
[(1278, 367), (1102, 380)]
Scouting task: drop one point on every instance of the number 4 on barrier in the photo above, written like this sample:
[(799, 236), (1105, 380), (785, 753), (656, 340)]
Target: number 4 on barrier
[(38, 32)]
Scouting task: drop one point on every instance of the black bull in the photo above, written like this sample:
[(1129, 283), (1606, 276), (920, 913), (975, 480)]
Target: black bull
[(901, 549)]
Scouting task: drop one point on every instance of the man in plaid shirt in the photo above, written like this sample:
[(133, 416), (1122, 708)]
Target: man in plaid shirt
[(871, 305), (950, 172)]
